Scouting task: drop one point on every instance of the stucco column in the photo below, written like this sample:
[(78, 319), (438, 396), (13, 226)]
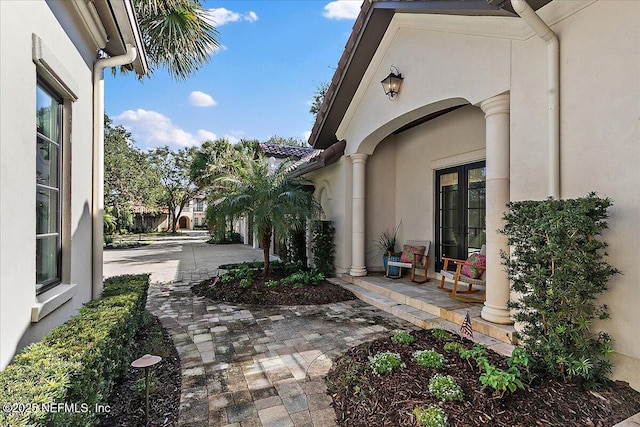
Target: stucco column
[(496, 113), (358, 267)]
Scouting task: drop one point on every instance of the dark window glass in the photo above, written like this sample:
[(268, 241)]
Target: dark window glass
[(48, 183)]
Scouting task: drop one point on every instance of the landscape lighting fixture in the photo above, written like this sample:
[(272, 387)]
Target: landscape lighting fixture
[(391, 83)]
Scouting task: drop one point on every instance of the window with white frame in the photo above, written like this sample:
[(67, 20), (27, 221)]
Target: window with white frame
[(199, 206), (48, 188)]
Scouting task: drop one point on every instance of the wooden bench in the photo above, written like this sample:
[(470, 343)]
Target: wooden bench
[(420, 262)]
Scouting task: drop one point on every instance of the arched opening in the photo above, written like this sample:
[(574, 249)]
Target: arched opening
[(184, 223)]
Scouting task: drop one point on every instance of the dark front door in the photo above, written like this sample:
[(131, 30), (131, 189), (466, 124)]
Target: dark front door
[(460, 211)]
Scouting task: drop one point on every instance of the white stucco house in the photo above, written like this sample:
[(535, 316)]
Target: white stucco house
[(500, 101), (194, 214), (51, 165)]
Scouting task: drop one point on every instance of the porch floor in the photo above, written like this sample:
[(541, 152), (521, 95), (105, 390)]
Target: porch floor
[(426, 306)]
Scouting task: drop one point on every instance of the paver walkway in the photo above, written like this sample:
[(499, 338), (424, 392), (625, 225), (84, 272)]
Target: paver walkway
[(246, 365)]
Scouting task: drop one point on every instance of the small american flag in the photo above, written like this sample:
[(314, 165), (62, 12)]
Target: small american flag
[(216, 280), (466, 329)]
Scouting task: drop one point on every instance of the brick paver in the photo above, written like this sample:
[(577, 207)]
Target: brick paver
[(259, 366)]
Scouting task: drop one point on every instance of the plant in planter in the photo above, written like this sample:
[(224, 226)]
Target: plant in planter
[(386, 242)]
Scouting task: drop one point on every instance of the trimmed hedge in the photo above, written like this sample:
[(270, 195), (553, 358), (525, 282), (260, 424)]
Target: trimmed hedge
[(77, 362)]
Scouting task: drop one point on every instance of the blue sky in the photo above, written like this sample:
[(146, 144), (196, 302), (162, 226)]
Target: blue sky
[(260, 83)]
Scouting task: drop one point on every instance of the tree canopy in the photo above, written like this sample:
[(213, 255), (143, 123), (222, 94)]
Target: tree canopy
[(177, 187), (128, 178), (318, 98)]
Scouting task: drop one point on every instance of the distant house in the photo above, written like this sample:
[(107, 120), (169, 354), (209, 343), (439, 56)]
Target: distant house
[(51, 144), (194, 214), (492, 108), (146, 220)]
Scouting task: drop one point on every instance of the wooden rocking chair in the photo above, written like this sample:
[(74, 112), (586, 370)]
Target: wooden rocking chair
[(457, 277), (419, 262)]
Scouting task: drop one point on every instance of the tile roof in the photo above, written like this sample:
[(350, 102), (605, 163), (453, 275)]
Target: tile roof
[(285, 151)]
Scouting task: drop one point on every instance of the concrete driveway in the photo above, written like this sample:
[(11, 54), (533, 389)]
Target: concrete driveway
[(165, 258)]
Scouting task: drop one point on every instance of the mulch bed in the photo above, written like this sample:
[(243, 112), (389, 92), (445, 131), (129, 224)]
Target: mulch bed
[(127, 400), (259, 294), (362, 398)]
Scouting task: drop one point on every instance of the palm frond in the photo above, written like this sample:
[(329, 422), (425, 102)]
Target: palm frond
[(177, 34)]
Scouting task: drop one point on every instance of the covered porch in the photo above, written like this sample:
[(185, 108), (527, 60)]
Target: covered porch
[(426, 306)]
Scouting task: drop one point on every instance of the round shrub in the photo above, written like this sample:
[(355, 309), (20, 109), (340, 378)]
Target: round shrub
[(385, 362), (403, 338), (433, 416), (445, 387), (429, 359)]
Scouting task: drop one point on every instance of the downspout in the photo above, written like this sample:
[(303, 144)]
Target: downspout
[(97, 202), (534, 21)]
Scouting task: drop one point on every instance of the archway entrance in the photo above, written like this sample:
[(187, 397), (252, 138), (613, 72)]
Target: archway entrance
[(183, 222)]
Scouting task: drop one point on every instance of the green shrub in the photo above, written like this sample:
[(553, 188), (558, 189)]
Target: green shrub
[(402, 338), (445, 387), (476, 352), (440, 334), (454, 347), (303, 278), (240, 271), (521, 359), (323, 247), (558, 267), (433, 416), (252, 264), (77, 362), (499, 379), (429, 359), (385, 362)]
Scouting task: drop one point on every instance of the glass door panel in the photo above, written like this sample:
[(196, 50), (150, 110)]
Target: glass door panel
[(476, 209), (460, 211)]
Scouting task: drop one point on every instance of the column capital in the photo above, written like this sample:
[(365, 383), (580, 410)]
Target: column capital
[(359, 157), (499, 104)]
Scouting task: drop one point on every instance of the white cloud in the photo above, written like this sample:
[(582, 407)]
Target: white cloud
[(306, 135), (201, 99), (232, 139), (342, 9), (205, 135), (222, 16), (153, 129)]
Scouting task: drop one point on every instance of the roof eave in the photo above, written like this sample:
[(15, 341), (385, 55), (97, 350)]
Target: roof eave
[(120, 22)]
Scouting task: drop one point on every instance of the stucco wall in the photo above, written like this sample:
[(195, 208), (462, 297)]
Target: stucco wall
[(18, 21), (380, 199), (333, 190), (439, 69)]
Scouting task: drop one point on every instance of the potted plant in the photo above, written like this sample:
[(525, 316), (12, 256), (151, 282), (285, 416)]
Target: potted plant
[(387, 244)]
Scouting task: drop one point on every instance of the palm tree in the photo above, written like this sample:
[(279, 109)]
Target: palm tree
[(177, 34), (214, 159), (272, 198)]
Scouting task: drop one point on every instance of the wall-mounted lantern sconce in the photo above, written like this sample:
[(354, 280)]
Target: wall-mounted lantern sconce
[(391, 84)]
